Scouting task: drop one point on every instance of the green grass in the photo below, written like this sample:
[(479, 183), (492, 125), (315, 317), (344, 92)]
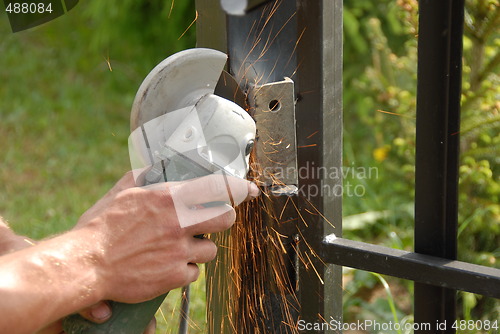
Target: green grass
[(63, 129), (64, 124)]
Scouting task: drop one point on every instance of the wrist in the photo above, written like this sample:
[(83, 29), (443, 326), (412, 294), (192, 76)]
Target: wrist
[(9, 241), (55, 278), (73, 259), (90, 253)]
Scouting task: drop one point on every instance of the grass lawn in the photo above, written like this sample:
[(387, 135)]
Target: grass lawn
[(64, 124)]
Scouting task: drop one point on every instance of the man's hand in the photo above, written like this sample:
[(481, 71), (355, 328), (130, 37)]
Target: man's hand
[(145, 236), (133, 245)]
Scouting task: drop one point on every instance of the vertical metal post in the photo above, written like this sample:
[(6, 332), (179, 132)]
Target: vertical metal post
[(438, 121), (319, 138), (301, 40), (211, 25), (261, 48)]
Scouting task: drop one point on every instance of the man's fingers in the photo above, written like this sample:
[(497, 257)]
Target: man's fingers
[(54, 328), (98, 313), (207, 220), (204, 250), (127, 181), (203, 194), (216, 188), (192, 273), (151, 329)]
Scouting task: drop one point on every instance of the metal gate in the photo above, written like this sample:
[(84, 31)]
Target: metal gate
[(302, 40)]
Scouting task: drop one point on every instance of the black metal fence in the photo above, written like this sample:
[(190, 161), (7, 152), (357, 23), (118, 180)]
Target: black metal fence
[(303, 39)]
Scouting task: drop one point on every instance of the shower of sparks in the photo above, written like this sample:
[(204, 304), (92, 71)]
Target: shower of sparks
[(252, 286), (317, 212), (171, 8), (185, 31), (312, 135), (394, 113), (162, 314), (310, 145), (29, 242), (295, 47), (108, 62)]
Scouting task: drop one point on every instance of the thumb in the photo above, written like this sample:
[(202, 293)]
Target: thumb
[(97, 313)]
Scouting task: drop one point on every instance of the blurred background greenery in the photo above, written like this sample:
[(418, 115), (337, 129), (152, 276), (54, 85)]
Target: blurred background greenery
[(66, 89)]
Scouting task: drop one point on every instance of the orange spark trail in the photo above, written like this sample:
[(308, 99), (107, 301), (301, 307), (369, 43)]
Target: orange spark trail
[(312, 134), (171, 8), (394, 113), (185, 31)]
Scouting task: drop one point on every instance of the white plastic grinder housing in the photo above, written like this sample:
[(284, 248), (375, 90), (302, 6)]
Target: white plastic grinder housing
[(181, 129)]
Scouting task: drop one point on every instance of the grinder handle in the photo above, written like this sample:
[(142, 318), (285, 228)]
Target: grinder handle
[(126, 319)]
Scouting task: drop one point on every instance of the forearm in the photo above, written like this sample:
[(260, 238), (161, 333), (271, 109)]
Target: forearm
[(5, 237), (9, 241), (41, 284)]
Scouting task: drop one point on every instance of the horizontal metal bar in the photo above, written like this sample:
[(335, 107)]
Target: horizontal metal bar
[(421, 268)]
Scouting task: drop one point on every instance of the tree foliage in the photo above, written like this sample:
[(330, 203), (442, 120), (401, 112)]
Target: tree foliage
[(380, 114)]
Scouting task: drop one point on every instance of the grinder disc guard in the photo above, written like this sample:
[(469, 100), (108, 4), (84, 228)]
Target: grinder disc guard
[(181, 129)]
